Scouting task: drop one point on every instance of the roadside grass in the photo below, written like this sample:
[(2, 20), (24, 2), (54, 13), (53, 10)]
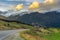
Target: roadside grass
[(55, 35), (46, 34), (30, 36)]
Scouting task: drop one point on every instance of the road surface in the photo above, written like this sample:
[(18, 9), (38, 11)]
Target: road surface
[(4, 35)]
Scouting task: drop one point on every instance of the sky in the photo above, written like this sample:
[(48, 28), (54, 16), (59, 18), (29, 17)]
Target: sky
[(5, 4), (45, 5)]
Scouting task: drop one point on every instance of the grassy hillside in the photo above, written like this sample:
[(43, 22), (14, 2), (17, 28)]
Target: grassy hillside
[(42, 34), (12, 25)]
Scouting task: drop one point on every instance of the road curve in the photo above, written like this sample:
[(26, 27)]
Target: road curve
[(6, 33)]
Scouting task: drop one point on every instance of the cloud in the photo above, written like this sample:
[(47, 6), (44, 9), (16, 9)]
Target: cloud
[(34, 5), (3, 6), (6, 6), (49, 1), (19, 7), (12, 0), (48, 5)]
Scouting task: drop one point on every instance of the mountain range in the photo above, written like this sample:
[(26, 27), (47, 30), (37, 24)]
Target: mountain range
[(49, 19)]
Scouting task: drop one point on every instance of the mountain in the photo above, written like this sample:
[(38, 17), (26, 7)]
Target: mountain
[(49, 19)]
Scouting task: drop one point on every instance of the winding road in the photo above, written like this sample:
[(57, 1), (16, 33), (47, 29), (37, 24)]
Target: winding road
[(9, 34)]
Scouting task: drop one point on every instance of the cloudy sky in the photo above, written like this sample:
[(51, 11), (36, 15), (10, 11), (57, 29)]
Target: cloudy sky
[(6, 4)]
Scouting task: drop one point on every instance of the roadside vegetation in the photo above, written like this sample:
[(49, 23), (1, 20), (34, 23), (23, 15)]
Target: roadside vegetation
[(41, 33)]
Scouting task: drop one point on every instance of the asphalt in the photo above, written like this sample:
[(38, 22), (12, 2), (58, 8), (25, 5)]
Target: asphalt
[(6, 33)]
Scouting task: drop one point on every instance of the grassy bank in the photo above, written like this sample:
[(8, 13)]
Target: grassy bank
[(42, 34), (55, 35), (4, 25)]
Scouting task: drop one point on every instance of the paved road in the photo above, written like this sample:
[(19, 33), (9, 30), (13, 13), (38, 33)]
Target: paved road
[(6, 33)]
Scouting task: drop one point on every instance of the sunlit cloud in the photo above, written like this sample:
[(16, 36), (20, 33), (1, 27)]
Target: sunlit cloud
[(49, 1), (19, 7), (47, 5), (34, 5)]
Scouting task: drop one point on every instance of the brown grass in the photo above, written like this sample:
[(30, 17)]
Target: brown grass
[(30, 37)]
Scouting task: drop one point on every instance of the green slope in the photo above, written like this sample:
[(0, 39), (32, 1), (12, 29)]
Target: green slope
[(12, 25)]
